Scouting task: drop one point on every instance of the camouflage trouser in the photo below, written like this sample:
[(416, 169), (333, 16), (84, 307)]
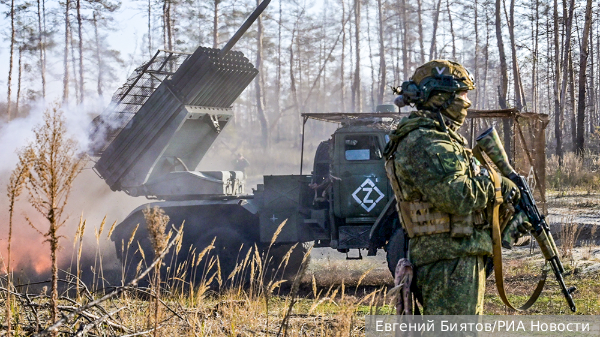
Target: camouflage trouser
[(452, 287)]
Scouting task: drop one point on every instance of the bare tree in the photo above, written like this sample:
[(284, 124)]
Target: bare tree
[(258, 83), (97, 52), (565, 69), (451, 30), (14, 189), (216, 23), (436, 15), (80, 48), (343, 59), (11, 53), (356, 93), (519, 100), (420, 24), (558, 123), (503, 88), (382, 70), (583, 57), (54, 165), (19, 79), (66, 53), (167, 25), (41, 15)]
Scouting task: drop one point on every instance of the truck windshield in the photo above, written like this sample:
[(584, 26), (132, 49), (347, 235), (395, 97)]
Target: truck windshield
[(362, 147)]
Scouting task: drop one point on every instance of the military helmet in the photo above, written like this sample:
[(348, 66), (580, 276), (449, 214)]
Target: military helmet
[(436, 75)]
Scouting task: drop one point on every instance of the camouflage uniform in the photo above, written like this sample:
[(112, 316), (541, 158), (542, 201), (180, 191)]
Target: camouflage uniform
[(432, 164)]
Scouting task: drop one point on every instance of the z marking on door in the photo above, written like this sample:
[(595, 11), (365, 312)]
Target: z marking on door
[(367, 201)]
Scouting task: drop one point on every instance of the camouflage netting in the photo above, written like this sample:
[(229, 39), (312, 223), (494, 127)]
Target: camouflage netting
[(527, 150)]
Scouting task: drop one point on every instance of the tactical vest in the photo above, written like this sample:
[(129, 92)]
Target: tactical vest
[(419, 217)]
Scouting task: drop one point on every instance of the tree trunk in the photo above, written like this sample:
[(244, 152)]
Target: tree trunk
[(519, 100), (451, 30), (42, 47), (583, 57), (150, 28), (167, 29), (278, 82), (11, 52), (216, 23), (372, 97), (80, 47), (293, 79), (382, 71), (558, 123), (357, 102), (97, 52), (591, 94), (262, 116), (486, 61), (66, 54), (19, 77), (404, 40), (74, 67), (420, 24), (502, 90), (566, 52), (342, 61), (436, 15), (535, 36), (572, 101)]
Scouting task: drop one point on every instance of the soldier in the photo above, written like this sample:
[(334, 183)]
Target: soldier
[(441, 193)]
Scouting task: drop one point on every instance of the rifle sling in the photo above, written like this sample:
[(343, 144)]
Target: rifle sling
[(497, 239)]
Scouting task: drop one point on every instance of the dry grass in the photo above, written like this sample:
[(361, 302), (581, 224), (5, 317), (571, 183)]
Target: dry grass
[(568, 236), (575, 173), (263, 307)]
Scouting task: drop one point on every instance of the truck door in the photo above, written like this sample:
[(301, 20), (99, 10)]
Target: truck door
[(363, 189)]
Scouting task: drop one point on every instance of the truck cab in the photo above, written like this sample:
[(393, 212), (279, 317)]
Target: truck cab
[(346, 195)]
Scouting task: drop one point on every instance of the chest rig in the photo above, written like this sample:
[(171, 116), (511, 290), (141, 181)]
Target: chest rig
[(420, 217)]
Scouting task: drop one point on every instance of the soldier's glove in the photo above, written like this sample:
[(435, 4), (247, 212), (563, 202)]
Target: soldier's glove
[(517, 227), (510, 191)]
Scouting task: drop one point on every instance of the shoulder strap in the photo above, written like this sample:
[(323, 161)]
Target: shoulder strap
[(497, 238)]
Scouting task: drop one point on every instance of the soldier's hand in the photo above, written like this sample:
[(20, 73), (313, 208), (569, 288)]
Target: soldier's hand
[(517, 227), (510, 191)]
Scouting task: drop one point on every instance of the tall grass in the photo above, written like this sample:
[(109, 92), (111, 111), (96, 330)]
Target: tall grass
[(207, 303), (575, 173)]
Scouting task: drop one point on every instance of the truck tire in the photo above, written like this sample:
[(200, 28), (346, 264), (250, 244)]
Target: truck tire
[(396, 249)]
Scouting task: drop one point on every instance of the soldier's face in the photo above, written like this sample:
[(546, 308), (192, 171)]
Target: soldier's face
[(463, 95)]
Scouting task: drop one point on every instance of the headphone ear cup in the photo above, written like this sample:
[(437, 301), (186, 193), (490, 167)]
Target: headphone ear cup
[(411, 92)]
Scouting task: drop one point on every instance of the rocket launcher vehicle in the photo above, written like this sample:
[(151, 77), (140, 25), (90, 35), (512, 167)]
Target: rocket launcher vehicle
[(161, 123)]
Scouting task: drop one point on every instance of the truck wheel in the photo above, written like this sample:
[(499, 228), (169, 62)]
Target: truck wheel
[(396, 249)]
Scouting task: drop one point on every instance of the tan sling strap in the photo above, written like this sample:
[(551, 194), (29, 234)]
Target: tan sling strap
[(497, 238)]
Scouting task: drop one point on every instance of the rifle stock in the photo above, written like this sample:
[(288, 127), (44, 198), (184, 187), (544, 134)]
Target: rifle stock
[(490, 143)]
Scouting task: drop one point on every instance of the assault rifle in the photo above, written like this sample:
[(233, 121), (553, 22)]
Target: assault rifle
[(490, 143)]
